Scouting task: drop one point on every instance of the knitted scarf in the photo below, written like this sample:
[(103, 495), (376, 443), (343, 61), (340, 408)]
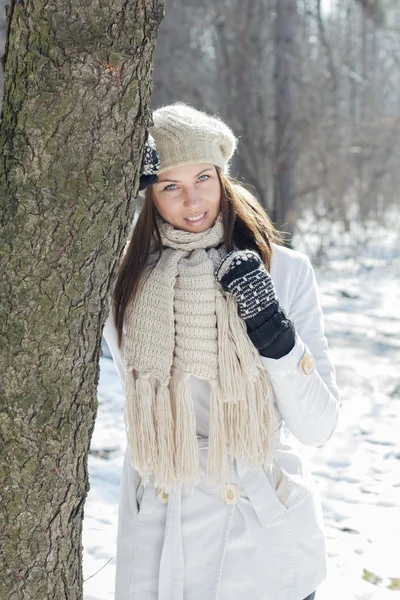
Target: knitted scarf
[(181, 323)]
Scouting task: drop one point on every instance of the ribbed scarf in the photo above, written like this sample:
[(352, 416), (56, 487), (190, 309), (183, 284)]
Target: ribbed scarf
[(181, 323)]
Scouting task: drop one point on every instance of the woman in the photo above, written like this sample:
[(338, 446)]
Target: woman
[(217, 334)]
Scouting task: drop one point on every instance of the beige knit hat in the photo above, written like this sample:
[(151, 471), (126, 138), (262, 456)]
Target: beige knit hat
[(185, 135)]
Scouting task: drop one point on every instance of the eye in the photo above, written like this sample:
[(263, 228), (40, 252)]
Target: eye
[(170, 187)]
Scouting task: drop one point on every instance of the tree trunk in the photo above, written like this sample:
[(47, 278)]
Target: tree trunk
[(284, 197), (76, 95)]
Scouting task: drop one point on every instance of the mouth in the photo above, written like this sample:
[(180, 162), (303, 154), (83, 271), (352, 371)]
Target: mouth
[(197, 220)]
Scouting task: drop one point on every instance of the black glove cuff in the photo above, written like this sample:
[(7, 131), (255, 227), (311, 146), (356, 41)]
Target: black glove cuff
[(282, 345), (269, 330)]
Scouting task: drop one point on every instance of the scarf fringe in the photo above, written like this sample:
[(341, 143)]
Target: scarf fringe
[(246, 351), (142, 448), (186, 458), (243, 429), (266, 411), (165, 472), (231, 375), (217, 459)]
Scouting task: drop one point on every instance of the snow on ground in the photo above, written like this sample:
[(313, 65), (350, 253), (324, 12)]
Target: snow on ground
[(357, 471)]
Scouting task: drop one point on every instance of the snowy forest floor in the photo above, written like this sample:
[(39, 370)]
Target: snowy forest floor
[(357, 471)]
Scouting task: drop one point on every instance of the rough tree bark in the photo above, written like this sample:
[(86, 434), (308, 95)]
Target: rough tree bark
[(76, 96)]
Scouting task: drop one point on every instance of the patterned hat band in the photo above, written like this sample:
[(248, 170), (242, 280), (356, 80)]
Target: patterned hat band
[(150, 164)]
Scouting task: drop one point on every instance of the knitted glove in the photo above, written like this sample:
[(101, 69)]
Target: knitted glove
[(242, 273), (150, 164)]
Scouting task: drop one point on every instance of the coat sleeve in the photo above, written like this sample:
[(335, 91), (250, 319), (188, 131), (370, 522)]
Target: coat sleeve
[(304, 381)]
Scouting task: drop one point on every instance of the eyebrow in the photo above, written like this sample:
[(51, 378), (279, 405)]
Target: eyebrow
[(177, 180)]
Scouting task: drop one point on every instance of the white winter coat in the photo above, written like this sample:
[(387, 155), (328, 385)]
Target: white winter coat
[(270, 544)]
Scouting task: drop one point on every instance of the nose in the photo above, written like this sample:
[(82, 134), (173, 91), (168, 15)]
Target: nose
[(191, 197)]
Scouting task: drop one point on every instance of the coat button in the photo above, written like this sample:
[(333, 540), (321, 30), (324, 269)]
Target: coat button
[(307, 364), (162, 495), (230, 494)]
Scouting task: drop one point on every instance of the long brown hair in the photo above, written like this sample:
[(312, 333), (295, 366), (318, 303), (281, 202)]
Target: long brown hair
[(246, 225)]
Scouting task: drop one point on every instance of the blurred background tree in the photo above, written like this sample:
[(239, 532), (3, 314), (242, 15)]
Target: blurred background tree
[(311, 87)]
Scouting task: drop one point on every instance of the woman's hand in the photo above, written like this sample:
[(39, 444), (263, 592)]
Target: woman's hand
[(243, 274)]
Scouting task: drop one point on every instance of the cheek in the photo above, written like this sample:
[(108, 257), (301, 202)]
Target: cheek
[(214, 195), (167, 209)]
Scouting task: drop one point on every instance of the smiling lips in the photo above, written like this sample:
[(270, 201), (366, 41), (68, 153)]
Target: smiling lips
[(197, 218)]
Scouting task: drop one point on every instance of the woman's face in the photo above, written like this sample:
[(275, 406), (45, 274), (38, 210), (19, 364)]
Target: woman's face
[(189, 197)]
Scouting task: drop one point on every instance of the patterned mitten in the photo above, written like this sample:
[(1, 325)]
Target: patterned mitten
[(242, 273), (150, 164)]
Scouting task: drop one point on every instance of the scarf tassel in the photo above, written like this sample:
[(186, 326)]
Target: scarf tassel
[(187, 458), (217, 460), (266, 418), (139, 412), (247, 353), (231, 374), (165, 472)]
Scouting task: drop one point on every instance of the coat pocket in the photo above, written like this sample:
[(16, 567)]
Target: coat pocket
[(291, 482), (277, 490), (138, 487)]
